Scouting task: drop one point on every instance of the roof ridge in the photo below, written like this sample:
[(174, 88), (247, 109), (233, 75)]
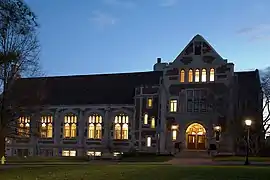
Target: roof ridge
[(92, 75)]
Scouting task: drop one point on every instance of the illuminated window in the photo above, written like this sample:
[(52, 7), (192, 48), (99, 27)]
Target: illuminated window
[(190, 75), (182, 75), (149, 102), (203, 75), (93, 153), (95, 127), (124, 131), (197, 75), (153, 122), (70, 127), (173, 105), (174, 132), (145, 118), (117, 131), (23, 128), (46, 129), (212, 74), (121, 127), (91, 131), (68, 153), (148, 142)]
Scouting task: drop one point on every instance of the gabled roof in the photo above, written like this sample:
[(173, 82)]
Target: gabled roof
[(82, 89), (197, 38)]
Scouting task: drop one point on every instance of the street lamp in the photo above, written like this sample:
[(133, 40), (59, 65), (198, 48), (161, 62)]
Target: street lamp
[(217, 132), (248, 123)]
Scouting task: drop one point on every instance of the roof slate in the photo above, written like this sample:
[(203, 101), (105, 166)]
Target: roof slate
[(81, 89)]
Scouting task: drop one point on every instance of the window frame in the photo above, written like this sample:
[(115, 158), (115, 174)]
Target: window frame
[(95, 120), (70, 119), (174, 104), (47, 120), (182, 75), (147, 102), (123, 123)]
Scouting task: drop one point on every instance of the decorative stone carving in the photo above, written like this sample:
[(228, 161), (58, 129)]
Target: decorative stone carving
[(206, 48), (208, 59), (186, 60)]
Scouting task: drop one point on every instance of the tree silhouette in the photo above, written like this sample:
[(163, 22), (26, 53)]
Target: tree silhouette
[(19, 56)]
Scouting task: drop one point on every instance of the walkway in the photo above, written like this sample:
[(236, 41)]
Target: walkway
[(208, 161)]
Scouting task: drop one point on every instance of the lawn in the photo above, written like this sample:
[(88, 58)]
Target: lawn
[(135, 172), (10, 160), (242, 158), (66, 160)]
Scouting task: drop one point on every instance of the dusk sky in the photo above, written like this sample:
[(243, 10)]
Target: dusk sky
[(106, 36)]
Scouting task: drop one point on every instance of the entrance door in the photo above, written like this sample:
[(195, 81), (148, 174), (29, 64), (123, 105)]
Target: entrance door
[(195, 135), (191, 144), (200, 142)]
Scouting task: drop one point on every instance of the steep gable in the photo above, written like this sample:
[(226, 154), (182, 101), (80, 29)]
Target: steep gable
[(198, 47)]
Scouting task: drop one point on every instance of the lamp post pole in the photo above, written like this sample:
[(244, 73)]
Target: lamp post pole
[(247, 148), (248, 123)]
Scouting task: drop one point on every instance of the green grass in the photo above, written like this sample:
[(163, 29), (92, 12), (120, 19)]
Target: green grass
[(135, 172), (65, 160), (10, 160), (239, 158)]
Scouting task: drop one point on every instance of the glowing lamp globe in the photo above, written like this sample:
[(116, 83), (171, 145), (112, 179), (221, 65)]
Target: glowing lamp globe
[(248, 122)]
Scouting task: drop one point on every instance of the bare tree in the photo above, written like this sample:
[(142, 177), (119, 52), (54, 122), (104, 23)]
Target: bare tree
[(19, 56), (265, 82)]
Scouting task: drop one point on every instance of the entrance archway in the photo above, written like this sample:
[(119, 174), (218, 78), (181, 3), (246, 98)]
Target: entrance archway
[(195, 136)]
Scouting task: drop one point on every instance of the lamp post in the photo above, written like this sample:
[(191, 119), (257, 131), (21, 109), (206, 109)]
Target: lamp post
[(217, 136), (248, 123)]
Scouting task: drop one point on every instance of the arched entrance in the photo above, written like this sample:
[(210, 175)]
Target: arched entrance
[(195, 136)]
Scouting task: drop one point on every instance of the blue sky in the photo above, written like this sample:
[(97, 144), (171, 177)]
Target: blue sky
[(105, 36)]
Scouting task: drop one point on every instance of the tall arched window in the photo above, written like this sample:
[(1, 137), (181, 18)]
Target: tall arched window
[(190, 75), (117, 131), (46, 129), (212, 74), (197, 75), (95, 126), (182, 75), (98, 131), (121, 126), (203, 75), (70, 127), (124, 131), (145, 118), (24, 126), (91, 131)]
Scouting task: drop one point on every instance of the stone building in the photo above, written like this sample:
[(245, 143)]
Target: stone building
[(196, 100)]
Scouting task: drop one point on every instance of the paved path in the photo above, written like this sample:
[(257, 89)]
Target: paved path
[(208, 161)]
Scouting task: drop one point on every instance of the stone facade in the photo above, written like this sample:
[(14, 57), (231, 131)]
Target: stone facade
[(194, 101)]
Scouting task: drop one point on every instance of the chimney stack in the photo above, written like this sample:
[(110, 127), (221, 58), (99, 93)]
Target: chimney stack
[(159, 60)]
